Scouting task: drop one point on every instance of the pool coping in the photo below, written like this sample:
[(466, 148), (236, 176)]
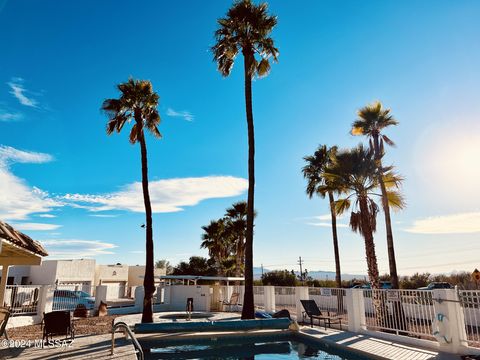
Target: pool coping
[(327, 339)]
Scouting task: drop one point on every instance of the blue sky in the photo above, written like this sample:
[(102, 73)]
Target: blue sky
[(67, 184)]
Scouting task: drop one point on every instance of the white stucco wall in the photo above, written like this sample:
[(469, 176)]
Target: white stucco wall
[(44, 274), (17, 272), (180, 293), (137, 273), (65, 271)]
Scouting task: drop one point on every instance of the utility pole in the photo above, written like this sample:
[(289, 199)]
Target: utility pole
[(300, 262)]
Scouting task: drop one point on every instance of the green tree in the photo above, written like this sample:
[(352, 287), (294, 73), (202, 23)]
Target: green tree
[(372, 120), (314, 172), (164, 264), (246, 28), (215, 241), (196, 265), (236, 227), (138, 103), (279, 278)]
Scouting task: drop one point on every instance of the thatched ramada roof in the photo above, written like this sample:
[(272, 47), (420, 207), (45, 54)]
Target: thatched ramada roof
[(18, 238)]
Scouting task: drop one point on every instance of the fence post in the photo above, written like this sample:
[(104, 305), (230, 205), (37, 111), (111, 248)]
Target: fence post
[(45, 301), (100, 295), (269, 298), (447, 303), (355, 309), (139, 295), (301, 293)]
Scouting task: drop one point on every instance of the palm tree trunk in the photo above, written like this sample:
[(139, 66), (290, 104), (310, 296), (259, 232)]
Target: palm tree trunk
[(372, 264), (388, 222), (333, 214), (148, 281), (248, 311), (239, 257)]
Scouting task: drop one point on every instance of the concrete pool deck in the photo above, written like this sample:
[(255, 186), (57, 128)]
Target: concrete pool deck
[(98, 346)]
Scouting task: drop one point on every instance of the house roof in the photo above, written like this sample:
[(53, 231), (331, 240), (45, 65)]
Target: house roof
[(18, 238)]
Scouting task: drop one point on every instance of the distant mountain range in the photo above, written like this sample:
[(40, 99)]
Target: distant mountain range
[(317, 275)]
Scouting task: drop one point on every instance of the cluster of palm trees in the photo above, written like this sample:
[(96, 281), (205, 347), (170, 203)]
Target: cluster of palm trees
[(225, 240), (246, 28), (354, 177)]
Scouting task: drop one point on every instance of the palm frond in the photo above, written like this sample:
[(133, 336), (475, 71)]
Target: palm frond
[(342, 205), (396, 200)]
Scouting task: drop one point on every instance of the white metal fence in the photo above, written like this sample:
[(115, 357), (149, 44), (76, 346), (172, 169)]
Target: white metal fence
[(285, 299), (69, 297), (22, 299), (331, 301), (470, 302), (258, 296), (403, 312)]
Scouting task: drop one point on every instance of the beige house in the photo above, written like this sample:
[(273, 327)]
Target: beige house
[(16, 248), (136, 274), (115, 277)]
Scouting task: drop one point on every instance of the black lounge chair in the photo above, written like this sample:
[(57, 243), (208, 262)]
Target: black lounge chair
[(4, 315), (313, 312), (58, 323)]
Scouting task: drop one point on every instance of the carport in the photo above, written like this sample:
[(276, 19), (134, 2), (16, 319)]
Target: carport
[(16, 248)]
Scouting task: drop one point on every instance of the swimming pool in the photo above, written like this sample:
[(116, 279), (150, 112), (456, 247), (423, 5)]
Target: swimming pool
[(281, 347)]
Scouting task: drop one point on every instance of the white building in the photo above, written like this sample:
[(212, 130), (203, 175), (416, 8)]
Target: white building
[(79, 272)]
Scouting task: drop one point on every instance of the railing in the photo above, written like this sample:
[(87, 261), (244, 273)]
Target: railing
[(69, 297), (403, 312), (22, 299), (285, 299), (136, 345), (470, 302), (258, 296), (331, 301)]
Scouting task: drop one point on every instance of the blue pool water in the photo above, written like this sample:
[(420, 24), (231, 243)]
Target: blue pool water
[(279, 347)]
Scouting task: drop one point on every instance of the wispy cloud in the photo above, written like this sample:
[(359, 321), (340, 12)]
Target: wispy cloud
[(327, 224), (19, 200), (9, 154), (463, 223), (35, 226), (74, 248), (104, 215), (187, 115), (19, 91), (169, 195), (9, 116), (47, 216)]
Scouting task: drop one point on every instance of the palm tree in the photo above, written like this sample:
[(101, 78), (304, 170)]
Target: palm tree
[(213, 239), (372, 119), (355, 172), (138, 103), (247, 28), (314, 171), (236, 225)]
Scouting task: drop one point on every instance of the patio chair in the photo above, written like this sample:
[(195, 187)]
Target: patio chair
[(233, 301), (58, 323), (4, 315), (313, 312)]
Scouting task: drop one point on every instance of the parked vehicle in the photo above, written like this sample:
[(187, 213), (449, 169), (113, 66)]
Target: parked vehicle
[(70, 299), (436, 285), (383, 285)]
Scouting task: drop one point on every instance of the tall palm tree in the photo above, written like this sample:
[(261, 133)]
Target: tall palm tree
[(355, 172), (214, 239), (314, 172), (372, 119), (138, 104), (246, 28)]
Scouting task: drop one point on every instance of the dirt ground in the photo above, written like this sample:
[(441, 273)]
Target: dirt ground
[(83, 326)]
